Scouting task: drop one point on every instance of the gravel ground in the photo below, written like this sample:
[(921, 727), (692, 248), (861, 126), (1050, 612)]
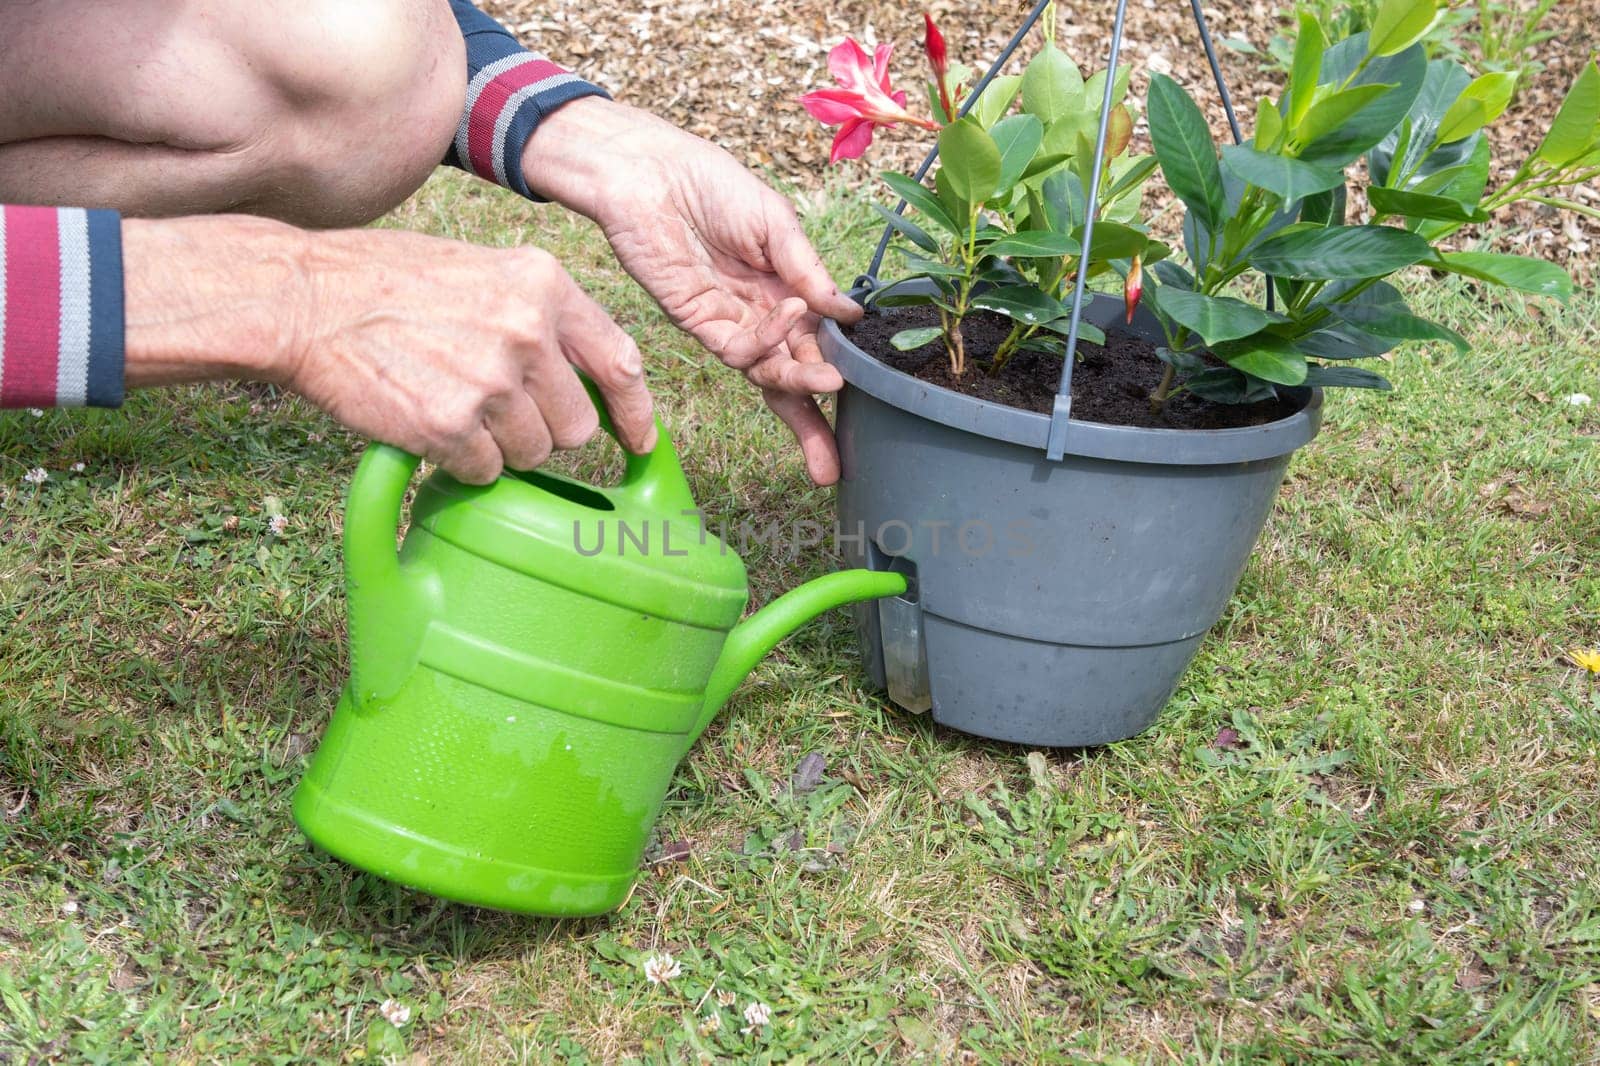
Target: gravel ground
[(731, 72)]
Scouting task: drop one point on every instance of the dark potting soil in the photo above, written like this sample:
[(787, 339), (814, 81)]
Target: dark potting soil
[(1111, 384)]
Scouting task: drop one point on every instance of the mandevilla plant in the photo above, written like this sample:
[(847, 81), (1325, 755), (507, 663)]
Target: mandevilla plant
[(1002, 228), (1277, 205)]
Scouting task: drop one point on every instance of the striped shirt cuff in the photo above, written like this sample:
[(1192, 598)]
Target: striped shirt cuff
[(509, 92), (61, 316)]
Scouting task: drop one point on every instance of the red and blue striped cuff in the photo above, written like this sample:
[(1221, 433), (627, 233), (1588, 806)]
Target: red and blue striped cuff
[(61, 314), (509, 92)]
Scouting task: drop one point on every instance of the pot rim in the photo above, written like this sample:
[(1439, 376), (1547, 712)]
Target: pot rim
[(1093, 440)]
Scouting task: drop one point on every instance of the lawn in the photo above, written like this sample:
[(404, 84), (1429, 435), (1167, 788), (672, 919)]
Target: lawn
[(1366, 828)]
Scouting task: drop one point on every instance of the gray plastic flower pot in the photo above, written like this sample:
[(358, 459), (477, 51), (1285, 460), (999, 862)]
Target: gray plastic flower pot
[(1051, 604)]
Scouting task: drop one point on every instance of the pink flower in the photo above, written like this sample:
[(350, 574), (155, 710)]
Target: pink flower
[(863, 101)]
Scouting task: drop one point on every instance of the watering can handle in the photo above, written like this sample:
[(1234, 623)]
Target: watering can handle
[(377, 493)]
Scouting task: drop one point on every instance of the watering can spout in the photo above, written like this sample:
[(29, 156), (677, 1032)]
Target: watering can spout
[(757, 635)]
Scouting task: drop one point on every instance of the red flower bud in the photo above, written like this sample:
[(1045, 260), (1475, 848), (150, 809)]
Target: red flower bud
[(1133, 287), (939, 59)]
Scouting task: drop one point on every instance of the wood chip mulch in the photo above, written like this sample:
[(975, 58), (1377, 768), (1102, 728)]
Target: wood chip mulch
[(731, 72)]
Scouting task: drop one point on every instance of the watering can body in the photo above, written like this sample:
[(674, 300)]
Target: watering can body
[(526, 674)]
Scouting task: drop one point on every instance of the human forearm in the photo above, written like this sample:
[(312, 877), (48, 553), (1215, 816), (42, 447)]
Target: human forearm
[(210, 299)]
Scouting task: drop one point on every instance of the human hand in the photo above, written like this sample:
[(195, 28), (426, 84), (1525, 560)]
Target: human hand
[(723, 254), (462, 355)]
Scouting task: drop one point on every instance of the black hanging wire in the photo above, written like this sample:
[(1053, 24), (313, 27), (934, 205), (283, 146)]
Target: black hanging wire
[(869, 280), (1056, 445), (1227, 99)]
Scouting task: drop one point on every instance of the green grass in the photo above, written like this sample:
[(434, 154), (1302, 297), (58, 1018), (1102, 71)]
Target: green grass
[(1396, 861)]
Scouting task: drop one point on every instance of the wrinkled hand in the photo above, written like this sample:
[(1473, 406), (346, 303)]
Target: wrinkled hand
[(463, 355), (460, 354), (723, 254)]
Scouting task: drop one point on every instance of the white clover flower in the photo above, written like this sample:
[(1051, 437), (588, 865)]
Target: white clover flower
[(37, 476), (710, 1023), (659, 969), (726, 999), (757, 1014), (78, 468), (36, 412), (70, 907), (395, 1014), (1580, 399), (278, 523)]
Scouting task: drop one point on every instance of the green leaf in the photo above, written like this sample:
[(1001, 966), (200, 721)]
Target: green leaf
[(996, 100), (1399, 25), (1034, 244), (1215, 318), (907, 229), (1139, 170), (1183, 145), (1519, 272), (1572, 134), (969, 161), (1094, 90), (919, 197), (1043, 163), (909, 340), (1266, 356), (1022, 302), (1420, 206), (1112, 240), (1018, 138), (1087, 331), (1223, 384), (1347, 377), (1397, 323), (1369, 127), (1052, 85), (1339, 252), (929, 267), (1307, 67), (1332, 111), (1290, 178), (1269, 123)]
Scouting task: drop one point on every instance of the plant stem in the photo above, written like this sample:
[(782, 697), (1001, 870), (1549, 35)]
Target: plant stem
[(1158, 399)]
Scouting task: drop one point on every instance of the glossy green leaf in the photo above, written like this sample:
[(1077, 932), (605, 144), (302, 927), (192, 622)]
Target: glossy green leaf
[(1335, 109), (1339, 252), (919, 197), (969, 160), (1214, 318), (1306, 70), (1397, 323), (1573, 132), (1087, 331), (1112, 240), (1172, 275), (907, 229), (1400, 24), (1024, 303), (1183, 145), (1373, 123), (1345, 377), (1519, 272), (932, 268), (1018, 138), (1042, 164), (909, 340), (1421, 206), (1094, 90), (1223, 384), (1289, 178), (1266, 356), (1052, 85), (996, 100), (1034, 244)]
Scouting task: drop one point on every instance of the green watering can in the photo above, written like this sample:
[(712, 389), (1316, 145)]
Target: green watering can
[(527, 672)]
